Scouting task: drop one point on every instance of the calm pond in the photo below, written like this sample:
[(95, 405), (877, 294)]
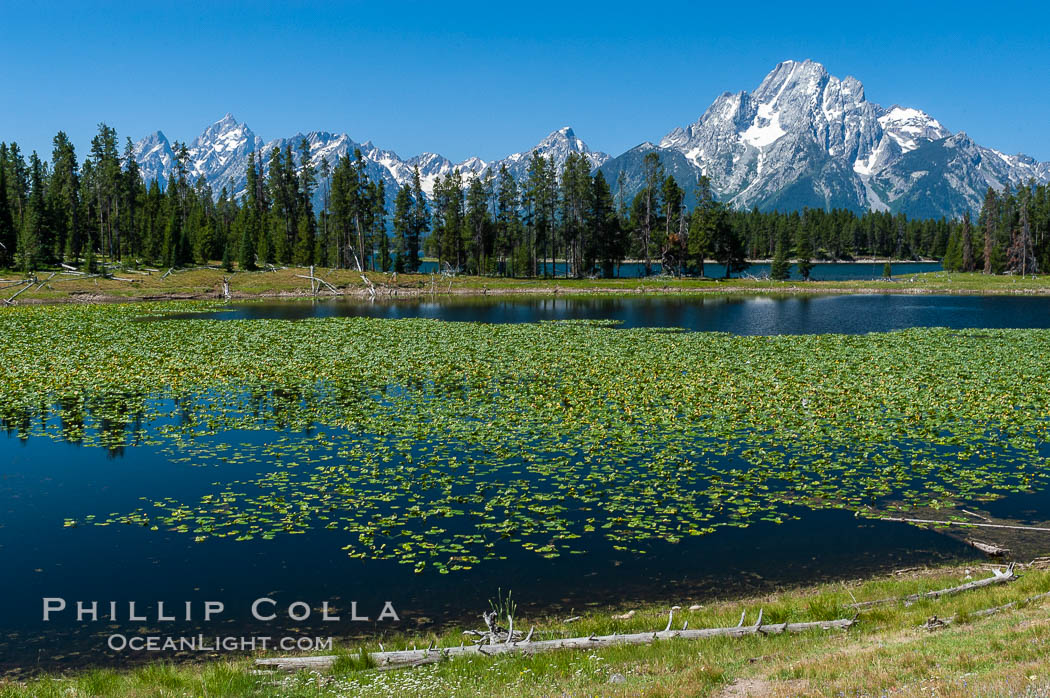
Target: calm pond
[(44, 482), (745, 315), (822, 271)]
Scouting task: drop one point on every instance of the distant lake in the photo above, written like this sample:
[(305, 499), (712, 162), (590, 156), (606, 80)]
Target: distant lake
[(823, 271), (741, 314)]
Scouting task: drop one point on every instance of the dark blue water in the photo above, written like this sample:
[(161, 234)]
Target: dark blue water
[(42, 482), (825, 271), (747, 315)]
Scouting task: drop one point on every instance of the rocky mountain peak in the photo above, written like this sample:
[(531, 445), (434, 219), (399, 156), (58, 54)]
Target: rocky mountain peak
[(802, 138)]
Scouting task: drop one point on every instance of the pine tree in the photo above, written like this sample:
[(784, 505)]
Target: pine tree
[(726, 244), (420, 224), (534, 204), (701, 230), (36, 247), (1021, 255), (303, 255), (674, 249), (508, 222), (953, 257), (377, 216), (449, 219), (575, 191), (184, 252), (476, 226), (804, 251), (323, 241), (306, 228), (17, 187), (246, 248), (603, 226), (64, 199), (966, 244), (90, 264), (7, 226), (990, 213), (645, 215), (402, 226), (227, 258), (780, 270)]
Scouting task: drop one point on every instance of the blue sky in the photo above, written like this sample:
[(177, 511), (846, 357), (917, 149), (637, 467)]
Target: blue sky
[(481, 79)]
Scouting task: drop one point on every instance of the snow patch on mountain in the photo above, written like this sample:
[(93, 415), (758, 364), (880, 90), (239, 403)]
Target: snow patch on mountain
[(222, 153), (806, 138), (802, 138), (765, 129)]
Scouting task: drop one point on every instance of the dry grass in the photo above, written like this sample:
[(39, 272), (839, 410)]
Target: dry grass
[(886, 653), (287, 282)]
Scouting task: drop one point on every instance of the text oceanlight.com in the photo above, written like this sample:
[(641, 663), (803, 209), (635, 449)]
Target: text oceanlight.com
[(200, 643)]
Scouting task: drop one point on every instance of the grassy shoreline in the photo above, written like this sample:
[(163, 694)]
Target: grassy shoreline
[(887, 651), (207, 283)]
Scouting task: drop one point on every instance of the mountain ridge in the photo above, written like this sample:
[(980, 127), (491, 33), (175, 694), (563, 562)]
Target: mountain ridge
[(802, 138)]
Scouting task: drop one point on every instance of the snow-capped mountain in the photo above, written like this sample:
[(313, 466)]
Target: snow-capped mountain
[(807, 138), (331, 147), (221, 155), (802, 138), (558, 145), (154, 156)]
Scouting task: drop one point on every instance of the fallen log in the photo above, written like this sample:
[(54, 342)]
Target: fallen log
[(319, 281), (990, 549), (964, 523), (46, 280), (996, 578), (371, 286), (406, 658), (10, 301), (935, 623)]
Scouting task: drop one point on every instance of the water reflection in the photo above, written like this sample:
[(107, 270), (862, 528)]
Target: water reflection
[(745, 315)]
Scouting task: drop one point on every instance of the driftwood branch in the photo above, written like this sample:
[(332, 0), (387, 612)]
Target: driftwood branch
[(10, 301), (935, 623), (964, 523), (407, 658), (317, 279), (997, 577), (990, 549), (44, 282), (371, 286)]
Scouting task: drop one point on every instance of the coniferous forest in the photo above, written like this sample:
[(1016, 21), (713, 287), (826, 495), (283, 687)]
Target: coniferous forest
[(100, 208)]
